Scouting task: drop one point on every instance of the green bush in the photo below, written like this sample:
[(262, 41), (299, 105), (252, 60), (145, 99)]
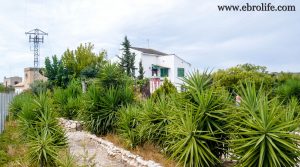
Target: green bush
[(128, 125), (289, 89), (165, 89), (38, 87), (262, 136), (102, 105), (41, 131), (17, 103), (67, 102)]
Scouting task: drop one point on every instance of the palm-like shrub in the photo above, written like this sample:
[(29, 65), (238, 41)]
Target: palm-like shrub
[(128, 125), (154, 117), (67, 102), (187, 143), (17, 103), (262, 136), (41, 131), (102, 105)]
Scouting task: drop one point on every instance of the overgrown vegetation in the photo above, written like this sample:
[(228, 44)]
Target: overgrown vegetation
[(195, 127)]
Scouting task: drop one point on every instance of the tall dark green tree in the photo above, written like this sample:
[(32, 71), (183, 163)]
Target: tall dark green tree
[(56, 73), (127, 59), (141, 71)]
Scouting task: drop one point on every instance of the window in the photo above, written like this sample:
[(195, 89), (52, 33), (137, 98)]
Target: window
[(180, 72), (164, 72)]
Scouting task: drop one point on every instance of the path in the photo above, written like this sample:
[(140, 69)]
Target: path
[(89, 152)]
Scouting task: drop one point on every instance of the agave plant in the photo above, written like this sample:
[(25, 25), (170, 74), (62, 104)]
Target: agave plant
[(262, 137)]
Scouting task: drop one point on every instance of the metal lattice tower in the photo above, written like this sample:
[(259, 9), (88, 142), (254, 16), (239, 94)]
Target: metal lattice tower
[(36, 36)]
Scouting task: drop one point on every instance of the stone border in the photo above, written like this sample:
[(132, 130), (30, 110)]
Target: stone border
[(112, 150)]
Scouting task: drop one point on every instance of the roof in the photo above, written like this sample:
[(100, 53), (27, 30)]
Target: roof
[(149, 51)]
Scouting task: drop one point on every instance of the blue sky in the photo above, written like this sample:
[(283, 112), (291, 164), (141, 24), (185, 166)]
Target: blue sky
[(193, 29)]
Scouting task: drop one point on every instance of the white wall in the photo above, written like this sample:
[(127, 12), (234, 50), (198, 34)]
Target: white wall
[(179, 63)]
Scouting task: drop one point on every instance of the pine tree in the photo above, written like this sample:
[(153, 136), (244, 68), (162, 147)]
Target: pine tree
[(141, 71), (128, 58)]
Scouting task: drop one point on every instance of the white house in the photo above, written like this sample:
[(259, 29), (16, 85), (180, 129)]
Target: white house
[(158, 65)]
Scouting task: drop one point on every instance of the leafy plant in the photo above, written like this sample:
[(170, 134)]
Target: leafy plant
[(68, 101), (289, 89), (128, 125), (102, 105), (187, 143), (165, 89), (261, 136), (41, 131), (17, 103)]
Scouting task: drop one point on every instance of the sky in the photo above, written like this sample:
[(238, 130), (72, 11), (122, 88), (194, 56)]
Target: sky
[(193, 29)]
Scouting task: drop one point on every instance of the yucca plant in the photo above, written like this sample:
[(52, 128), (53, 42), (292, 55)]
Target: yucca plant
[(261, 136), (41, 131), (187, 142), (154, 117), (210, 103), (102, 105), (196, 81), (128, 125), (17, 103), (67, 102)]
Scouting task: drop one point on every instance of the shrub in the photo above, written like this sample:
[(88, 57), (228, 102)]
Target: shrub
[(17, 103), (38, 87), (165, 89), (128, 125), (41, 131), (67, 101), (289, 89), (262, 137), (102, 105), (187, 143)]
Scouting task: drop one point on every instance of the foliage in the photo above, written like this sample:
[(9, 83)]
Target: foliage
[(127, 60), (82, 58), (17, 103), (234, 76), (56, 73), (39, 86), (187, 143), (144, 87), (111, 75), (141, 71), (127, 125), (165, 89), (5, 89), (102, 105), (41, 131), (289, 89), (262, 137), (67, 101), (12, 147)]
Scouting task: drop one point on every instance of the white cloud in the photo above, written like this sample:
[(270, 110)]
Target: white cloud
[(193, 30)]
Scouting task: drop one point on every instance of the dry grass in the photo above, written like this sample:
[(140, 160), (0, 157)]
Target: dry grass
[(12, 145), (148, 151)]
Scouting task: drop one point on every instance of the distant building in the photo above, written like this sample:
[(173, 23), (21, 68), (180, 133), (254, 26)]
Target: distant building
[(28, 79), (158, 65), (11, 81)]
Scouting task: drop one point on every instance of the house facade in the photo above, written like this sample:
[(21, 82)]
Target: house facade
[(11, 81), (158, 66)]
